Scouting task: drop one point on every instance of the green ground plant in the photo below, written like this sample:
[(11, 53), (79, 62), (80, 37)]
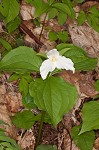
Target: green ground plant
[(52, 95)]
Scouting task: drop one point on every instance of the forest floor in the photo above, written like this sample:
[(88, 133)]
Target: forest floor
[(10, 98)]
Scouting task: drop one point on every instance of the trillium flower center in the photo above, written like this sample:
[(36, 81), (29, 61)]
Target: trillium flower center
[(53, 59)]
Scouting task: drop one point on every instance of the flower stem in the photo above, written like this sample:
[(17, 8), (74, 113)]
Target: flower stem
[(40, 128)]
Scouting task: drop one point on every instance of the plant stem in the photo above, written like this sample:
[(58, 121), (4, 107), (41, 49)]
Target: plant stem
[(40, 128), (42, 27)]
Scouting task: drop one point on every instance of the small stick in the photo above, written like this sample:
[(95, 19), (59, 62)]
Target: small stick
[(42, 27), (27, 31)]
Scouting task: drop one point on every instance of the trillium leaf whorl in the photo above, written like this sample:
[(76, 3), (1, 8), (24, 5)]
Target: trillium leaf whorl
[(55, 60)]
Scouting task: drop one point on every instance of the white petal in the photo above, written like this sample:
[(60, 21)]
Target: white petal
[(65, 63), (53, 52), (45, 68)]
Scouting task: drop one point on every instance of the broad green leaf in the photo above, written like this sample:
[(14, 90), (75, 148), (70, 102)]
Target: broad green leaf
[(94, 10), (63, 51), (1, 147), (5, 44), (80, 1), (21, 59), (63, 36), (70, 46), (93, 21), (27, 77), (52, 13), (90, 116), (70, 5), (28, 102), (13, 77), (53, 95), (68, 2), (9, 9), (11, 141), (84, 141), (1, 17), (13, 25), (52, 36), (30, 2), (10, 149), (6, 144), (51, 1), (62, 18), (41, 7), (24, 119), (79, 57), (2, 132), (46, 147), (23, 86), (81, 62), (62, 8), (41, 54), (97, 85), (81, 18)]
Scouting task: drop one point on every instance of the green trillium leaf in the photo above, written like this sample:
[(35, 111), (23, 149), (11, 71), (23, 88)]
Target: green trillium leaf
[(21, 59), (53, 95)]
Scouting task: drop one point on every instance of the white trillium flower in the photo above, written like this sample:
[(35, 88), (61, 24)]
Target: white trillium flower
[(55, 60)]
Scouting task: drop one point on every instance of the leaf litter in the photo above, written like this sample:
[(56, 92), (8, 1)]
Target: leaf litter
[(10, 98)]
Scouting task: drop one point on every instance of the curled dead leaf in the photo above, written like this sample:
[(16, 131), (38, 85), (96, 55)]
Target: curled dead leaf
[(13, 102)]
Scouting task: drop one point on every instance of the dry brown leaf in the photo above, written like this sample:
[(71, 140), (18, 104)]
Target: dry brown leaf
[(89, 4), (2, 89), (55, 26), (83, 82), (4, 114), (86, 84), (26, 11), (96, 145), (85, 37), (13, 101), (69, 76), (27, 142), (65, 143)]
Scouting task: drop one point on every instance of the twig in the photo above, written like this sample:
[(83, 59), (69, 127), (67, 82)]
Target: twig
[(43, 26), (27, 31)]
